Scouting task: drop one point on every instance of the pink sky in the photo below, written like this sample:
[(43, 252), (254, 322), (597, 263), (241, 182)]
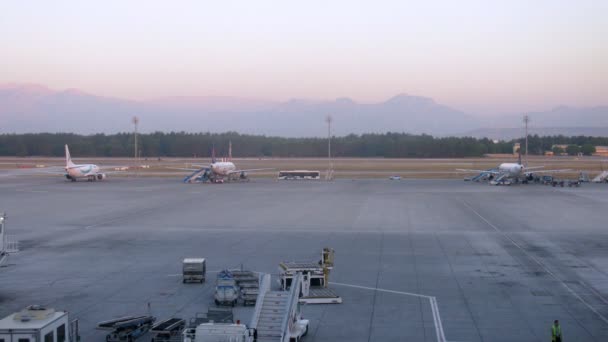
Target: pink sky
[(486, 59)]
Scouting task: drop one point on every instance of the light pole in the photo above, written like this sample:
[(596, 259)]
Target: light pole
[(330, 171), (135, 122), (526, 121)]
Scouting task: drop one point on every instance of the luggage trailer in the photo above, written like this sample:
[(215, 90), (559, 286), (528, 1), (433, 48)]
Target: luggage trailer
[(169, 330), (127, 328)]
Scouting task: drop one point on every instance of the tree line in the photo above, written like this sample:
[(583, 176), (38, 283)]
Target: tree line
[(182, 144)]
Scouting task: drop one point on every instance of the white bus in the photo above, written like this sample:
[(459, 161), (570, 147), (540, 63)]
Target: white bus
[(299, 174)]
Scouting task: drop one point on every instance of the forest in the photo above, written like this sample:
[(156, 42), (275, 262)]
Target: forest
[(182, 144)]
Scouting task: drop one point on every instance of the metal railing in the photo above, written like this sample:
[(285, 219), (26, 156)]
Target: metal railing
[(10, 245), (294, 296), (259, 302)]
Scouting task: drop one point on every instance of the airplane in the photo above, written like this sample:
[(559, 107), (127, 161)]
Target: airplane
[(90, 172), (218, 171), (507, 172)]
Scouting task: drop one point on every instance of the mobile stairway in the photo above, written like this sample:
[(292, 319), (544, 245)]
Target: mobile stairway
[(602, 177), (483, 176), (198, 176), (276, 317)]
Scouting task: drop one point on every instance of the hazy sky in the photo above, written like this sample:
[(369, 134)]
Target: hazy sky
[(478, 56)]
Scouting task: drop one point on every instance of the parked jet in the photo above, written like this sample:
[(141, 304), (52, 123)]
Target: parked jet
[(218, 171), (74, 172), (509, 172)]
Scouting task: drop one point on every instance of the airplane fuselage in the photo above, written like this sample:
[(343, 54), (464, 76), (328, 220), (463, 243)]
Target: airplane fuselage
[(222, 168), (511, 169), (83, 171)]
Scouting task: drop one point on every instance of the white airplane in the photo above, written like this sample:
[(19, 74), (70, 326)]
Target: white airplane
[(90, 172), (218, 171), (507, 172)]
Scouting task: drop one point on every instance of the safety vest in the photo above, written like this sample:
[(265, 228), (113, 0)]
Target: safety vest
[(556, 330)]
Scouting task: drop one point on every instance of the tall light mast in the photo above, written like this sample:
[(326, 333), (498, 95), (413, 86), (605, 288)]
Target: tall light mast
[(526, 121), (135, 121), (330, 170)]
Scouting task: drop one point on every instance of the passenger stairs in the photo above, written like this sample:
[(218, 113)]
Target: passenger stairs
[(602, 177), (483, 176), (197, 176), (272, 311)]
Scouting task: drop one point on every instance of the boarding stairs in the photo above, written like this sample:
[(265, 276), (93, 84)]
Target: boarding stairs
[(602, 177), (483, 176), (197, 176), (273, 309)]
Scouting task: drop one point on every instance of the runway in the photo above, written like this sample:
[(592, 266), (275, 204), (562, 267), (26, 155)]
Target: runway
[(416, 260)]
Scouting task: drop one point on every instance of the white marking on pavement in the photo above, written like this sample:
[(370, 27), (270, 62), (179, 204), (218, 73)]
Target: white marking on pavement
[(432, 301), (572, 292)]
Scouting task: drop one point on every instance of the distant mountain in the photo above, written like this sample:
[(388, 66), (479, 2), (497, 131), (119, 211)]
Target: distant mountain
[(35, 108)]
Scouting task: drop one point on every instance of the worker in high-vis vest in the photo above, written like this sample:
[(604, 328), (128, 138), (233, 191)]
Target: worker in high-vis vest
[(556, 332)]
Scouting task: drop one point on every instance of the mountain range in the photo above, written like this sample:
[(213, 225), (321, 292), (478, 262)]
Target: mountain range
[(30, 108)]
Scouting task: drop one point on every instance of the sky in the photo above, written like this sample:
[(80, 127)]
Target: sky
[(483, 57)]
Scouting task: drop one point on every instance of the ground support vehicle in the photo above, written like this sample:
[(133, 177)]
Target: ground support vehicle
[(36, 324), (276, 317), (194, 269), (575, 183), (128, 328), (315, 279), (226, 289)]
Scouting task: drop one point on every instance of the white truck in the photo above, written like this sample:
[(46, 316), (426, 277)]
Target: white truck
[(38, 324), (219, 332)]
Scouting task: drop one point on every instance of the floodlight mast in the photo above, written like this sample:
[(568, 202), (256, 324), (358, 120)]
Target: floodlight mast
[(330, 170), (526, 121), (135, 121)]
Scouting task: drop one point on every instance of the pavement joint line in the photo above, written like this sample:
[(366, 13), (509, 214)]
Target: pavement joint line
[(594, 291), (568, 288), (432, 301)]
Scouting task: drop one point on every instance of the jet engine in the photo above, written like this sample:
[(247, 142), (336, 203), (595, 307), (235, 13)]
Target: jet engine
[(100, 176)]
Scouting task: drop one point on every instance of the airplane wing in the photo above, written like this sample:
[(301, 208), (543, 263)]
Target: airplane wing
[(551, 171), (479, 171), (184, 168), (249, 170), (55, 170), (533, 168)]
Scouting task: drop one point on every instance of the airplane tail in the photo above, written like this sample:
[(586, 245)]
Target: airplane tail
[(68, 158), (213, 154), (519, 156)]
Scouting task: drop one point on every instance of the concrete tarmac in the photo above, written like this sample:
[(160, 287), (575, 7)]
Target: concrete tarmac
[(416, 260)]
